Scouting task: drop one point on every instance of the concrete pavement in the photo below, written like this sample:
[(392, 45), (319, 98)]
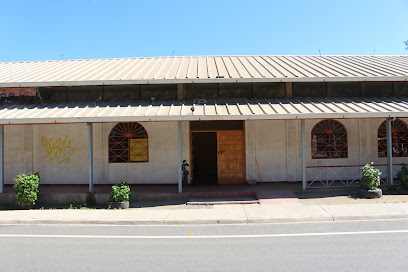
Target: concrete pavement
[(277, 204), (209, 214)]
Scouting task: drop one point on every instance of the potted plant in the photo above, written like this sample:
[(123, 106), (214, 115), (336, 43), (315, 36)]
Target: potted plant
[(185, 171), (369, 182), (403, 175), (120, 194)]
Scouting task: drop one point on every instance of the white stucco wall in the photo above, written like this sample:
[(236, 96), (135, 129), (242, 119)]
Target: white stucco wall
[(270, 153), (276, 145), (273, 151), (60, 153), (13, 152), (352, 127), (163, 157), (162, 167)]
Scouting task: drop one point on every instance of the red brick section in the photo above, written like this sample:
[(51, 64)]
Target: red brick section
[(273, 198), (222, 198)]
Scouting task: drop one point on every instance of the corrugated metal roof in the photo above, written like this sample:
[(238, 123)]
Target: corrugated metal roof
[(212, 109), (206, 69)]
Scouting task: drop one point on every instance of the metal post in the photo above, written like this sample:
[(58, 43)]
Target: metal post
[(90, 154), (1, 159), (179, 164), (304, 181), (389, 152)]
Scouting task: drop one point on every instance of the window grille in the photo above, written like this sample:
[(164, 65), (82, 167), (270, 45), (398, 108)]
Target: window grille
[(128, 142), (329, 140), (399, 132)]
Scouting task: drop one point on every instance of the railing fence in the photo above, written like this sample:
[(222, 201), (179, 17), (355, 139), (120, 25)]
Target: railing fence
[(344, 176)]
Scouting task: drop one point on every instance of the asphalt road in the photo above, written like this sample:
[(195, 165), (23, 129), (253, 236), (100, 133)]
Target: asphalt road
[(328, 246)]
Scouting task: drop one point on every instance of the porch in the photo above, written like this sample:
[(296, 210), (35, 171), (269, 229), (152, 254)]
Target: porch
[(268, 124), (167, 197), (76, 193)]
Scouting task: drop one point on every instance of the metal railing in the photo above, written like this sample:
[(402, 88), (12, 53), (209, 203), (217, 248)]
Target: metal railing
[(343, 176)]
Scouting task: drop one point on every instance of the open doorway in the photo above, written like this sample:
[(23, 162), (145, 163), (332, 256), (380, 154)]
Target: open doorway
[(205, 157)]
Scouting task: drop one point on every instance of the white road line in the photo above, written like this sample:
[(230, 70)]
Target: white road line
[(201, 236)]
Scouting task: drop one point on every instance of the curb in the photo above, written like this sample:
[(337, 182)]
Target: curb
[(210, 221), (370, 217)]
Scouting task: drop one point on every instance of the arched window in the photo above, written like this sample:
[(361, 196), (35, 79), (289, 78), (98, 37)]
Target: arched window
[(399, 131), (329, 140), (128, 142)]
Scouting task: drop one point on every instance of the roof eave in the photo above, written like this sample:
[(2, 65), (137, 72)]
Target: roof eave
[(198, 80), (22, 121)]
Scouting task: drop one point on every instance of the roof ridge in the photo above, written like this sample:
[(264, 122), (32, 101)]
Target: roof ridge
[(196, 56)]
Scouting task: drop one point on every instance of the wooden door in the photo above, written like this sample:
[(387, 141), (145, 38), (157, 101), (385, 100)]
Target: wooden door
[(231, 156)]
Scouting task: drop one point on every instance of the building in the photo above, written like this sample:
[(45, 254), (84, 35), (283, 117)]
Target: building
[(234, 119)]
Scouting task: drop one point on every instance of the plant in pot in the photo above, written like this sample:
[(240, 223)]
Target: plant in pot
[(120, 194), (185, 171), (403, 175), (369, 182)]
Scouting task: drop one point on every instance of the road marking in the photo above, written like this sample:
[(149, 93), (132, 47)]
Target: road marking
[(201, 236)]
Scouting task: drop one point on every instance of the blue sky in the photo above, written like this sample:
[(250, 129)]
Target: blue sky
[(87, 29)]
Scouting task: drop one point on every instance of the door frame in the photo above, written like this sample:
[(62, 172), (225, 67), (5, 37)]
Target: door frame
[(216, 131)]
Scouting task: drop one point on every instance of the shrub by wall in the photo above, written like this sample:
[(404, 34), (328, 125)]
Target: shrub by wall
[(26, 189)]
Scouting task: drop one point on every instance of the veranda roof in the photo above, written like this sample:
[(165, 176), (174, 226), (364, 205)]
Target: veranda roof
[(211, 109), (203, 69)]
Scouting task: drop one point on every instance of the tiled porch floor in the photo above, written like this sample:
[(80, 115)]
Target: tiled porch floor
[(265, 188)]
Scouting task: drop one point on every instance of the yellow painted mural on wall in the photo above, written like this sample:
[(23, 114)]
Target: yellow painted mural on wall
[(58, 149)]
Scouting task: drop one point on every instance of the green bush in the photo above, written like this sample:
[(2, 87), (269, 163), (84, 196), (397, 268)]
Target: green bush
[(120, 192), (90, 199), (26, 189), (403, 175), (371, 177)]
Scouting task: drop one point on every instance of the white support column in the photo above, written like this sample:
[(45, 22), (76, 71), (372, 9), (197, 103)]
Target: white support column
[(304, 179), (179, 163), (389, 152), (90, 154), (1, 159)]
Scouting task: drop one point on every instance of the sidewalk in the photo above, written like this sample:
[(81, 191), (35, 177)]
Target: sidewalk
[(304, 207)]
